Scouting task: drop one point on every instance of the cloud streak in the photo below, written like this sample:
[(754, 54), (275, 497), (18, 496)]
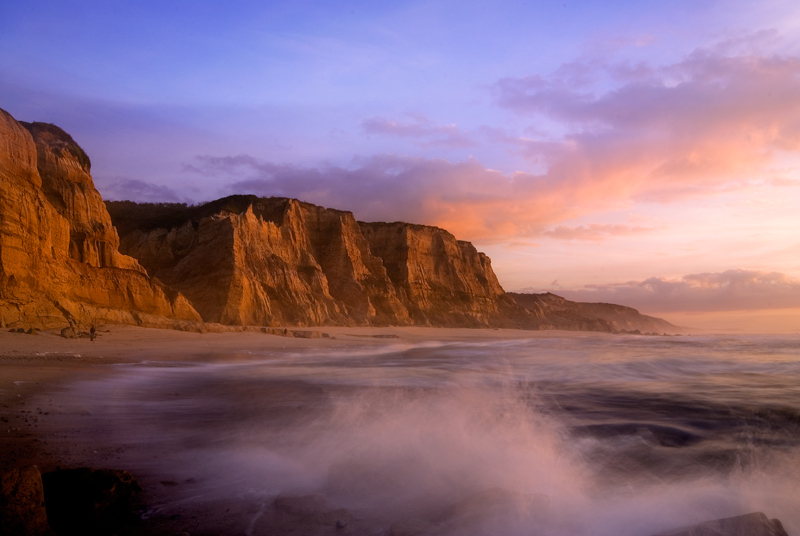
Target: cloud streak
[(126, 189), (595, 232), (732, 290), (421, 129)]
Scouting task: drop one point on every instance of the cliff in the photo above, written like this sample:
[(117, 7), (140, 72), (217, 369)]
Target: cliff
[(556, 312), (240, 260), (59, 261), (274, 261), (440, 280)]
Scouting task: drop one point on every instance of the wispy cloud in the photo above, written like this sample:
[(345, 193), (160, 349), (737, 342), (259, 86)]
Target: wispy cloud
[(125, 189), (595, 231), (420, 128), (731, 290)]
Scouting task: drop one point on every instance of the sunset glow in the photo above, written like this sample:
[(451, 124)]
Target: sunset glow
[(642, 154)]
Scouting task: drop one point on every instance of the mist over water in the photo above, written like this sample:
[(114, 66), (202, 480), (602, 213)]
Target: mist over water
[(590, 435)]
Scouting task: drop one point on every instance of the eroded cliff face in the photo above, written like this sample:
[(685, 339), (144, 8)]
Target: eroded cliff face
[(275, 261), (440, 280), (59, 261), (67, 185), (250, 260)]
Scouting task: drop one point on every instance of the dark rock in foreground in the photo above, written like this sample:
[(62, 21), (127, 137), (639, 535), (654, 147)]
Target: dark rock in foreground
[(755, 524), (22, 511), (87, 501)]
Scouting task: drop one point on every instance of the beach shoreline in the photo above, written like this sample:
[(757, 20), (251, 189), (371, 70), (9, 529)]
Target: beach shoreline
[(32, 365), (34, 430)]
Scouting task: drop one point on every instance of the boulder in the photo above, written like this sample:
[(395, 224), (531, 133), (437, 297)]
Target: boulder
[(308, 515), (493, 511), (304, 505), (89, 501), (413, 527), (754, 524), (22, 510), (69, 333)]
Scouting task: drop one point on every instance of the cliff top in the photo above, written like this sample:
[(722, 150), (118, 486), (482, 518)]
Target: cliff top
[(59, 141)]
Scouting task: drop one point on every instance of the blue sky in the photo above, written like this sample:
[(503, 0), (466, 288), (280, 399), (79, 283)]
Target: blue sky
[(587, 147)]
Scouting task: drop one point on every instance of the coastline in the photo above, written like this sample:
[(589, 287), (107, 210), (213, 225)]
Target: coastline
[(33, 365)]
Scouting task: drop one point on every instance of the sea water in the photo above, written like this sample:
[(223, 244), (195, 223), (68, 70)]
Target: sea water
[(595, 434)]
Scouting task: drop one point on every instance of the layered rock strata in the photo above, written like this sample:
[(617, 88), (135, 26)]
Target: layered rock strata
[(248, 260), (440, 280), (275, 261), (59, 261)]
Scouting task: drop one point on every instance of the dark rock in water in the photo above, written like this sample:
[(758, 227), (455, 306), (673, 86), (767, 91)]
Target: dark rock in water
[(89, 502), (493, 501), (22, 511), (304, 505), (755, 524), (413, 527), (665, 436), (493, 511), (307, 515)]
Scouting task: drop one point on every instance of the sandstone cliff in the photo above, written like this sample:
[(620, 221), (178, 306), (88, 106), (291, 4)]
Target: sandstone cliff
[(273, 261), (556, 312), (59, 261), (440, 280), (248, 260)]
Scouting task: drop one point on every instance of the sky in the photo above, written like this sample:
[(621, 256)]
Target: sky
[(637, 152)]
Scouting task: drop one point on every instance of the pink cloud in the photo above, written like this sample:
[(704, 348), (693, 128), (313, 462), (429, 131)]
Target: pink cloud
[(731, 290), (705, 123), (419, 127), (595, 232)]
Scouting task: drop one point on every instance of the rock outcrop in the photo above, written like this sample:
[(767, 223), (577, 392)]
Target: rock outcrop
[(754, 524), (59, 261), (555, 312), (89, 501), (22, 507), (440, 280), (275, 261)]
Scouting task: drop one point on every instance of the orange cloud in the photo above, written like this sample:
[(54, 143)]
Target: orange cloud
[(711, 123), (595, 232)]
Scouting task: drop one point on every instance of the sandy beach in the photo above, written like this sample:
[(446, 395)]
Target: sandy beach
[(40, 363)]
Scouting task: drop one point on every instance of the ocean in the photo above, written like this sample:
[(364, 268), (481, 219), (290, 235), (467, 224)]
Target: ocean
[(589, 435)]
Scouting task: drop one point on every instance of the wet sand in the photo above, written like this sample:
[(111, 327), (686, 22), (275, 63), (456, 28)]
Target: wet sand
[(33, 365), (35, 430)]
